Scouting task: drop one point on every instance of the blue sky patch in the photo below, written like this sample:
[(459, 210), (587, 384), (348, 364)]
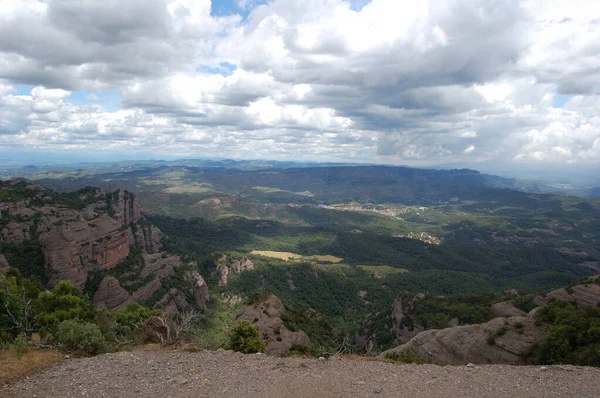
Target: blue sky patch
[(224, 68), (560, 100)]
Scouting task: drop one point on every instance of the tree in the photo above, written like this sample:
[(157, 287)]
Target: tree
[(64, 302), (17, 312)]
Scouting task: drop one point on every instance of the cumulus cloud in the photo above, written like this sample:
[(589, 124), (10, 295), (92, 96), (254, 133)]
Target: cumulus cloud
[(412, 82)]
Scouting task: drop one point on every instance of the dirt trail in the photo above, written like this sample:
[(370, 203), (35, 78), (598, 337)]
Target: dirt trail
[(228, 374)]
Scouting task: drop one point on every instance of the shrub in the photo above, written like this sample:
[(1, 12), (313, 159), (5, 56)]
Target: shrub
[(78, 336), (245, 338), (409, 356), (21, 346), (64, 302)]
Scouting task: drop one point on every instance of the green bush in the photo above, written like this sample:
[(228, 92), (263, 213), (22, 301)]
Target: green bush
[(574, 337), (64, 302), (245, 338), (78, 336)]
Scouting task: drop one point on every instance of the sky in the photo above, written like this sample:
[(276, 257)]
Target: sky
[(504, 82)]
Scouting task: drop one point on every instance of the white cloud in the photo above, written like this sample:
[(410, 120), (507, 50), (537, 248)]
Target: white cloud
[(406, 82)]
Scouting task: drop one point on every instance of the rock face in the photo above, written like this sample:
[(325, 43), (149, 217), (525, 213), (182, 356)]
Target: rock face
[(73, 246), (585, 295), (225, 266), (3, 264), (507, 309), (124, 206), (90, 232), (111, 294), (399, 310), (199, 288), (266, 316), (499, 341)]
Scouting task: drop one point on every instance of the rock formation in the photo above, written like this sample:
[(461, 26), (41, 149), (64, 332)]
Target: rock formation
[(3, 264), (499, 341), (266, 316), (507, 309), (586, 295), (111, 294), (90, 232), (225, 266)]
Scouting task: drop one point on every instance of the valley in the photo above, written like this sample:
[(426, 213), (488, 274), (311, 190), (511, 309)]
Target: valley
[(339, 246)]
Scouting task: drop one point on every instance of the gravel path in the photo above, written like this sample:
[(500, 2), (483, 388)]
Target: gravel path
[(228, 374)]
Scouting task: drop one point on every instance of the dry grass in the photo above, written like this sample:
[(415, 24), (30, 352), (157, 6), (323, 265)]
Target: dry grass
[(280, 255), (328, 258), (287, 256), (12, 367)]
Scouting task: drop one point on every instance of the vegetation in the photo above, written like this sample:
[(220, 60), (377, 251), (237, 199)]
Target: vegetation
[(64, 317), (244, 337), (78, 336), (574, 337)]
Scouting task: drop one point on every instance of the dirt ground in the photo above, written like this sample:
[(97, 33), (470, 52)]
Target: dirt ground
[(227, 374)]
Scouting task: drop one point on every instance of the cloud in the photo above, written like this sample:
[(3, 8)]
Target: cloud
[(381, 81)]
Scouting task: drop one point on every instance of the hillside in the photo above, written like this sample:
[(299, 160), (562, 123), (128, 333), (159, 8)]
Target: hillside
[(363, 274)]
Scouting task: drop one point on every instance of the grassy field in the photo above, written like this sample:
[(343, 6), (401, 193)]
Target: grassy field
[(277, 190), (382, 270), (287, 256)]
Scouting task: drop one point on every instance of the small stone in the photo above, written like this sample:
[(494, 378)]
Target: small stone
[(67, 356), (321, 359), (543, 368), (206, 382), (470, 365)]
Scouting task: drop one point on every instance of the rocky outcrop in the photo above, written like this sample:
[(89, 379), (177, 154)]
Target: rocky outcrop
[(124, 207), (244, 264), (73, 246), (584, 295), (150, 238), (225, 266), (507, 309), (110, 294), (173, 302), (3, 264), (499, 341), (223, 271), (266, 316), (90, 232), (14, 233), (399, 310), (199, 288)]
